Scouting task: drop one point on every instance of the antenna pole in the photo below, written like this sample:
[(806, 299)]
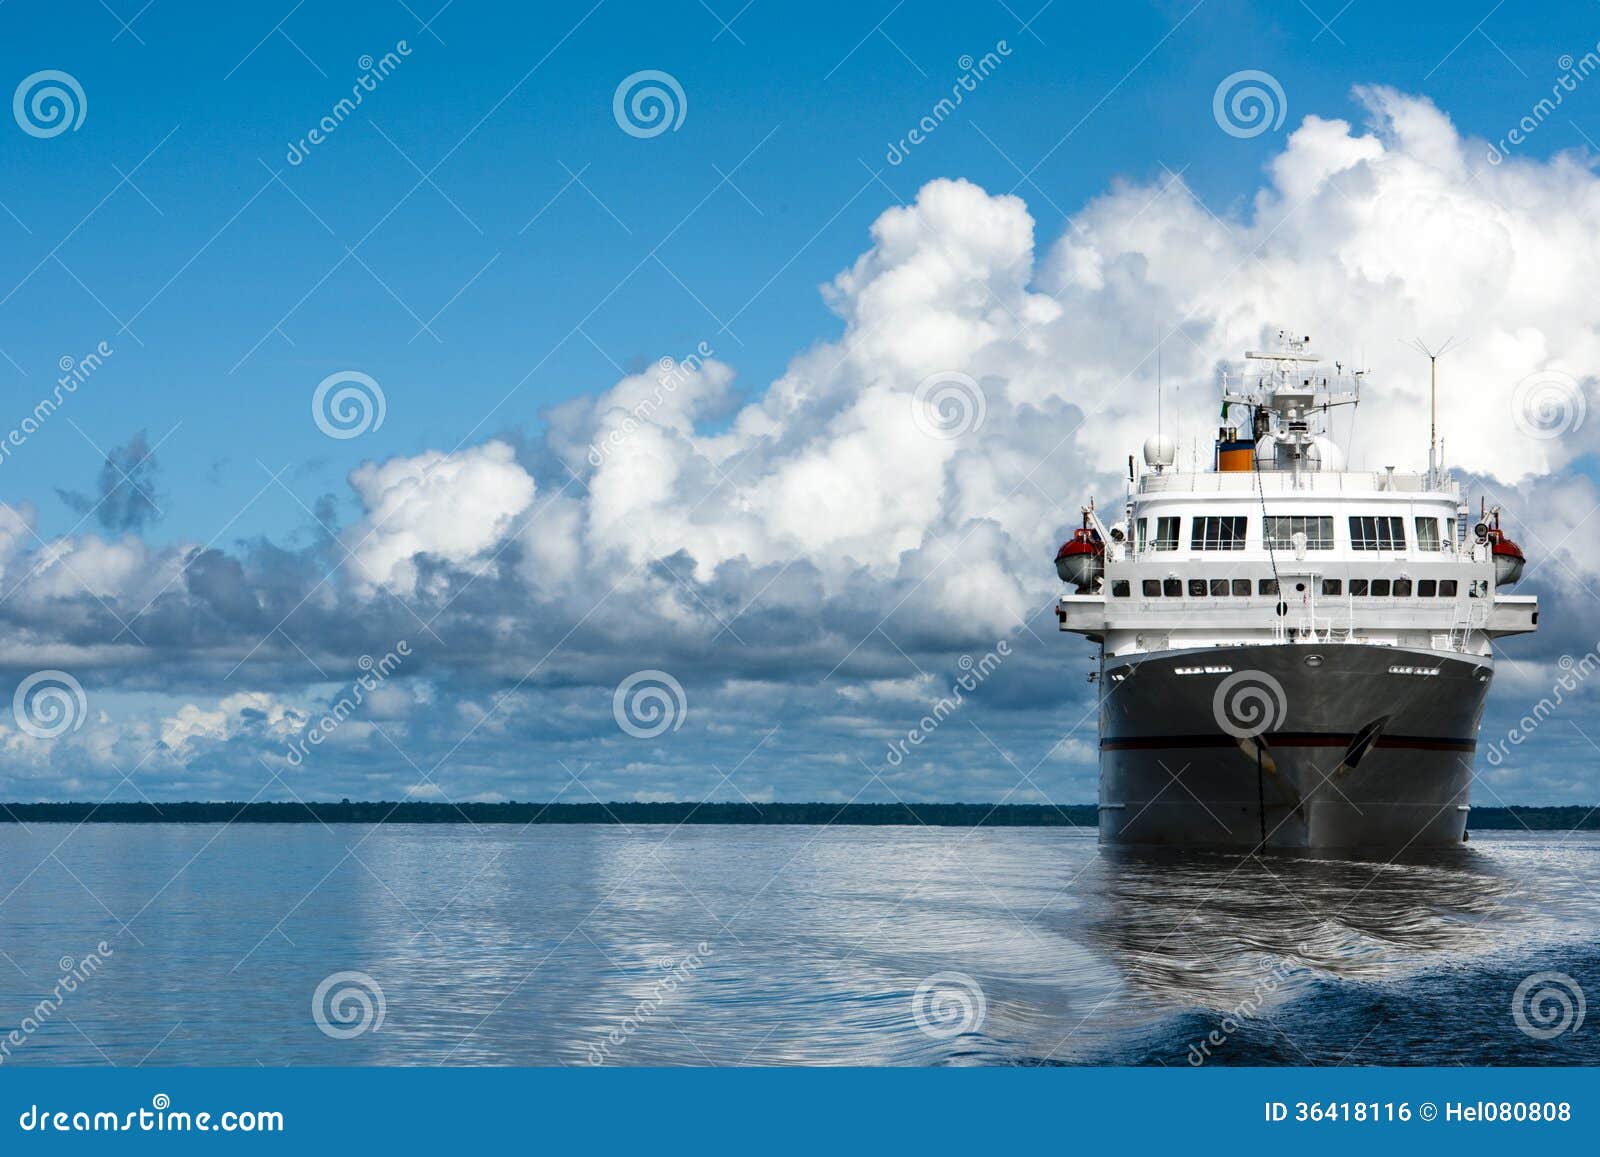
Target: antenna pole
[(1433, 356), (1433, 409)]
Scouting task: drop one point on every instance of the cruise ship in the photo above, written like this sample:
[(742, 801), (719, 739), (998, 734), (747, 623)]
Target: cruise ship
[(1292, 654)]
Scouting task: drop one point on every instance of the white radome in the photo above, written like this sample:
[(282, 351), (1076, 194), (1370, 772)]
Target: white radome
[(1160, 451)]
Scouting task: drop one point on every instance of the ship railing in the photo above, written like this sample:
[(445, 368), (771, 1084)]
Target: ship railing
[(1311, 629), (1271, 479)]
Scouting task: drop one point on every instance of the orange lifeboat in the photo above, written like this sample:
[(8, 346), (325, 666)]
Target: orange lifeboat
[(1082, 558), (1508, 557)]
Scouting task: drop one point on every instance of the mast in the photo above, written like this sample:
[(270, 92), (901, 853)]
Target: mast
[(1433, 356)]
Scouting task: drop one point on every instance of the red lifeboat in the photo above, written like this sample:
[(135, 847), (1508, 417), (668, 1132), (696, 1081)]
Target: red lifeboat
[(1508, 557), (1082, 558)]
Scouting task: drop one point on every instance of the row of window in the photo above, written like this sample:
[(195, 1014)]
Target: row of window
[(1400, 588), (1208, 532)]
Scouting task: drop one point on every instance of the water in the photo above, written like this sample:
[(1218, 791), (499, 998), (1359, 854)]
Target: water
[(571, 945)]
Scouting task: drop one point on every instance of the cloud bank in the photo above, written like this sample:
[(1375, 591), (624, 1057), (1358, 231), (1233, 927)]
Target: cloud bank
[(816, 560)]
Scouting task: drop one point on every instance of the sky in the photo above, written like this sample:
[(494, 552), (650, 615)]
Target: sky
[(552, 399)]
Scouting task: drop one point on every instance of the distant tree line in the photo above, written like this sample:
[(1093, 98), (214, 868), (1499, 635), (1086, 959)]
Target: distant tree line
[(961, 815)]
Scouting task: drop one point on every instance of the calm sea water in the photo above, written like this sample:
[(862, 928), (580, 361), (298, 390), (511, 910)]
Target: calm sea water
[(719, 945)]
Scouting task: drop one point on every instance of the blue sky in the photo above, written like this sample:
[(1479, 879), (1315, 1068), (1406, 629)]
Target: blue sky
[(483, 239), (204, 108)]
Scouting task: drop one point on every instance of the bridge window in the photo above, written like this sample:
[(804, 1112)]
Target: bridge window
[(1217, 533), (1241, 588), (1119, 589), (1219, 588), (1197, 588), (1385, 532), (1318, 529), (1172, 588), (1166, 534), (1402, 588), (1427, 534), (1358, 588), (1427, 588), (1380, 588), (1332, 586), (1267, 587), (1447, 588), (1152, 588)]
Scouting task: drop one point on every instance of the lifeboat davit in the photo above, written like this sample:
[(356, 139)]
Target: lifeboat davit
[(1082, 558)]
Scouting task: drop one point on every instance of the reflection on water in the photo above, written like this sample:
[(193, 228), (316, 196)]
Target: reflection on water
[(1200, 927), (727, 945)]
